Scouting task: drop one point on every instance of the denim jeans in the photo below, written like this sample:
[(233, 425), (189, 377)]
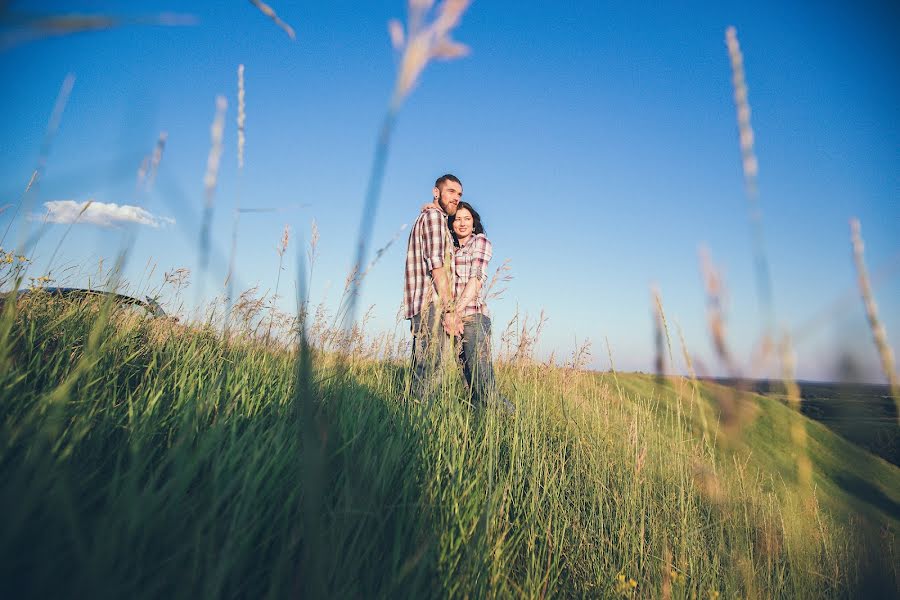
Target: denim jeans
[(427, 352), (477, 367)]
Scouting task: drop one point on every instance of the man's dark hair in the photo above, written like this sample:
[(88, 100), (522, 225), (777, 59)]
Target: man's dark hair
[(444, 179), (477, 227)]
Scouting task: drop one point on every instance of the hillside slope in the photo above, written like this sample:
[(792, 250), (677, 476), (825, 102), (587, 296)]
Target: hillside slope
[(143, 458)]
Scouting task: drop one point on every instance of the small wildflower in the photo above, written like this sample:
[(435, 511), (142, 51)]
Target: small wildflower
[(676, 576), (713, 594), (625, 586)]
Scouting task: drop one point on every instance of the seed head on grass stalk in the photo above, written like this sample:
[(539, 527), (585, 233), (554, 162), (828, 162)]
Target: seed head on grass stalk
[(732, 410), (422, 42), (750, 166), (270, 12), (798, 422), (695, 385), (216, 132), (157, 157), (146, 174), (660, 333), (885, 353), (62, 99), (242, 140), (32, 28), (280, 249)]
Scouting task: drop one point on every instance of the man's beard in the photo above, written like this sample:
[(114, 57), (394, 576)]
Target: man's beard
[(444, 205)]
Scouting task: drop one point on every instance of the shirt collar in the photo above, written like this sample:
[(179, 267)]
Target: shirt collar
[(471, 239), (432, 206)]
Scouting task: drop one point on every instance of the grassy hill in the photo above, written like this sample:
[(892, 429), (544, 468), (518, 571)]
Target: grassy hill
[(144, 458)]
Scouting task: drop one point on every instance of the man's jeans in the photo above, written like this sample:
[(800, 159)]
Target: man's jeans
[(429, 341)]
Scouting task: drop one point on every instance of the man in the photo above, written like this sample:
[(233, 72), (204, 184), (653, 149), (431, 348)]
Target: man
[(428, 290)]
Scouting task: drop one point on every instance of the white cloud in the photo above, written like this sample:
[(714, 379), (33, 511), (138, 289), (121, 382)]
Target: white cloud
[(104, 214)]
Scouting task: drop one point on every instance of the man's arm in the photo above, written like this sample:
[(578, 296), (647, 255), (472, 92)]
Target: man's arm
[(435, 249), (451, 320), (442, 287)]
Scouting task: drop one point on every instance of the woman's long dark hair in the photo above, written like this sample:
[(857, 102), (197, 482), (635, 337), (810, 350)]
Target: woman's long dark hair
[(477, 227)]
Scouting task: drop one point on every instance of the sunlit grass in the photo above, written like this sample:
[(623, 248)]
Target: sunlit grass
[(149, 458)]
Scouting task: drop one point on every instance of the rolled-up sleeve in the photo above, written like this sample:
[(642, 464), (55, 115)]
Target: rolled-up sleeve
[(482, 251), (435, 242)]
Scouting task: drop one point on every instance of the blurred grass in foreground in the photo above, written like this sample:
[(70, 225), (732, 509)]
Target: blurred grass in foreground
[(144, 458)]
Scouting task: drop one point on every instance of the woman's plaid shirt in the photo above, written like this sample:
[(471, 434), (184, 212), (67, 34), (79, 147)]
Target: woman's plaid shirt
[(429, 247), (471, 261)]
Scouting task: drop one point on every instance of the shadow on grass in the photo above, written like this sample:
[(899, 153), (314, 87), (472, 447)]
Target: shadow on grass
[(868, 493), (184, 481)]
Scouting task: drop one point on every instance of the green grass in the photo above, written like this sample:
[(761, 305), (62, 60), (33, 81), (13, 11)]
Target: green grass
[(146, 459)]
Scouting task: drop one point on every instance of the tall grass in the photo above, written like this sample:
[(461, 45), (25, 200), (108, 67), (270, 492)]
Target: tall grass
[(147, 458)]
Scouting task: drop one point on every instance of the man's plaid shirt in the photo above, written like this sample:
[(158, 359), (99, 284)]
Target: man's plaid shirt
[(429, 247), (471, 261)]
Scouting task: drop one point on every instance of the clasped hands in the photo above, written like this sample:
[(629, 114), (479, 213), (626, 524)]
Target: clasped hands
[(453, 323)]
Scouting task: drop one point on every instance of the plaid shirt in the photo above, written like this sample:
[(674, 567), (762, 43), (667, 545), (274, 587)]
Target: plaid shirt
[(430, 246), (471, 261)]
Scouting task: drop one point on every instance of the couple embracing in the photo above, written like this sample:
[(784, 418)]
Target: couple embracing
[(446, 267)]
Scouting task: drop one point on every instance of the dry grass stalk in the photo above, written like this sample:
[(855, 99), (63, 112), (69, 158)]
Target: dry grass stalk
[(142, 173), (715, 299), (235, 221), (581, 356), (885, 352), (216, 132), (157, 156), (798, 426), (269, 12), (146, 174), (695, 385), (665, 325), (501, 275), (40, 27), (62, 99), (745, 131), (750, 167), (283, 243), (728, 397), (313, 252), (612, 368), (661, 331), (34, 176), (281, 248), (242, 116), (425, 41), (380, 252)]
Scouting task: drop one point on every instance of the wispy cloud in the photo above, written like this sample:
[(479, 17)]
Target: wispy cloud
[(104, 214)]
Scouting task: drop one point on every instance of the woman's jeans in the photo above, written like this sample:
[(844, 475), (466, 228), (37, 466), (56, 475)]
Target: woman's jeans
[(475, 356)]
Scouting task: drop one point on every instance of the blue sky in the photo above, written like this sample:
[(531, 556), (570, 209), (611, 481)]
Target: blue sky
[(598, 141)]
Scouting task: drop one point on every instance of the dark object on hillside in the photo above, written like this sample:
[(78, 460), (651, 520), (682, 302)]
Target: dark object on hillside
[(150, 305)]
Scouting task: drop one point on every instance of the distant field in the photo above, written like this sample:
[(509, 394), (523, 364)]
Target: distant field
[(863, 413), (144, 458)]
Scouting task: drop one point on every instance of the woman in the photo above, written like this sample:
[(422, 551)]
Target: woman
[(473, 253)]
